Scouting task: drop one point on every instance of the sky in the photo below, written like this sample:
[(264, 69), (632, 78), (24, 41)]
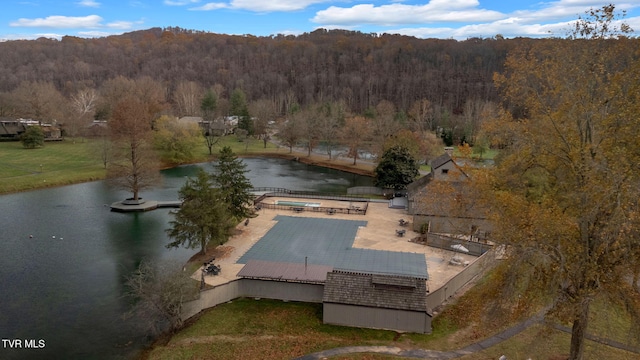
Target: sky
[(444, 19)]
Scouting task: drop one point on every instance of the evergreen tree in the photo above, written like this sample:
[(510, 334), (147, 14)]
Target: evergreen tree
[(240, 109), (209, 105), (233, 184), (203, 219), (33, 137), (396, 169)]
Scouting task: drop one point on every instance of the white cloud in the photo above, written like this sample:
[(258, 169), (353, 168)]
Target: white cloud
[(273, 5), (261, 6), (30, 36), (94, 34), (210, 6), (121, 25), (60, 22), (507, 28), (541, 19), (89, 3), (180, 2), (434, 11), (67, 22)]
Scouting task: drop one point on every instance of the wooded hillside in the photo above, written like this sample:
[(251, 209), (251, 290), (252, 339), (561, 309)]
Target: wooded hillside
[(362, 69), (443, 86)]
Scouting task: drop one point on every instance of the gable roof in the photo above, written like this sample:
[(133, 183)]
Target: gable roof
[(376, 290), (440, 160)]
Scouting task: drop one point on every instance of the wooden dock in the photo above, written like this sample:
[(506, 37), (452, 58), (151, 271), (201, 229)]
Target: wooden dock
[(121, 206)]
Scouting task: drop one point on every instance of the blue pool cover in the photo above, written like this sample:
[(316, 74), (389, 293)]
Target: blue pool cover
[(330, 242)]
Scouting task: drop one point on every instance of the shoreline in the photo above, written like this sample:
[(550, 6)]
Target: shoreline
[(314, 159)]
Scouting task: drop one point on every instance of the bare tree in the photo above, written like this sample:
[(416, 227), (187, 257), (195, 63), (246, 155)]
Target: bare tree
[(83, 106), (159, 293), (103, 147), (187, 97), (264, 111), (150, 93), (331, 118), (135, 165), (354, 133), (383, 125), (421, 116), (309, 121), (290, 132), (39, 100)]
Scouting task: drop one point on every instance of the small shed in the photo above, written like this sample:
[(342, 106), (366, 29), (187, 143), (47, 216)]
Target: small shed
[(376, 301)]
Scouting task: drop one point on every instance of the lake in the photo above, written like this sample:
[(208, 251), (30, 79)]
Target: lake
[(65, 256)]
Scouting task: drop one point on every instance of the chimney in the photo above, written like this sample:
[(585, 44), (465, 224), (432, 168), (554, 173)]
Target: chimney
[(449, 150)]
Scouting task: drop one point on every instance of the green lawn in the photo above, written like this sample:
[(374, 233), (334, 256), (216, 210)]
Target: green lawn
[(57, 163), (68, 162), (263, 329)]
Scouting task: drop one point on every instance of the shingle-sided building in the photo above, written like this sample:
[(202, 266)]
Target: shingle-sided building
[(376, 301), (444, 201)]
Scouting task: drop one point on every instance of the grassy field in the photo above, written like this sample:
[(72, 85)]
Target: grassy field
[(269, 329), (57, 163), (68, 162)]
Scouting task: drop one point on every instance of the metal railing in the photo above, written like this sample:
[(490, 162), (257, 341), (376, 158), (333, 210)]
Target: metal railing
[(360, 209)]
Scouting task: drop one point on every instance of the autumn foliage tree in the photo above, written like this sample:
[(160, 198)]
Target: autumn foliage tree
[(176, 141), (354, 133), (565, 193), (134, 166)]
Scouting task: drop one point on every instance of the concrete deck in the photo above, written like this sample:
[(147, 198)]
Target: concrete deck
[(148, 205), (379, 234)]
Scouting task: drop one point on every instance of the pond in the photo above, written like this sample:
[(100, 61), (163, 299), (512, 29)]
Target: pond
[(65, 257)]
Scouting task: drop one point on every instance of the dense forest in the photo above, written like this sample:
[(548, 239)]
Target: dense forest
[(437, 84), (361, 69)]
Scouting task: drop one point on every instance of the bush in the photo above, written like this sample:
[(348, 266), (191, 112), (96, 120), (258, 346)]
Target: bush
[(33, 137)]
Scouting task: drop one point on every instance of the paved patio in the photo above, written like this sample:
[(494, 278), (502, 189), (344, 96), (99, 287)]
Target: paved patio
[(329, 241), (379, 233)]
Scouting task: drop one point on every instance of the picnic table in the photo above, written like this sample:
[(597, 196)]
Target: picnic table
[(401, 233)]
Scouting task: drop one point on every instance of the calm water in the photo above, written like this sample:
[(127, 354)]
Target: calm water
[(64, 257)]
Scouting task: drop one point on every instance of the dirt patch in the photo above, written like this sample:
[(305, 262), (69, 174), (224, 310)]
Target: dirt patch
[(217, 338), (219, 252)]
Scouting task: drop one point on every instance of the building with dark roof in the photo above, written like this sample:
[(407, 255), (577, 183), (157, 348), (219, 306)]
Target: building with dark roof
[(376, 301), (11, 129), (443, 202)]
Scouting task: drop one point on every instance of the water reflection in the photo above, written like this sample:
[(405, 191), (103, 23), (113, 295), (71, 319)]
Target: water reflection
[(65, 283)]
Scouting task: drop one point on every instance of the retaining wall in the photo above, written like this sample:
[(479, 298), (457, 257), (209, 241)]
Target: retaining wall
[(438, 296), (253, 288)]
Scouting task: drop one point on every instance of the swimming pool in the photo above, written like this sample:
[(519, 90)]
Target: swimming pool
[(297, 203)]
